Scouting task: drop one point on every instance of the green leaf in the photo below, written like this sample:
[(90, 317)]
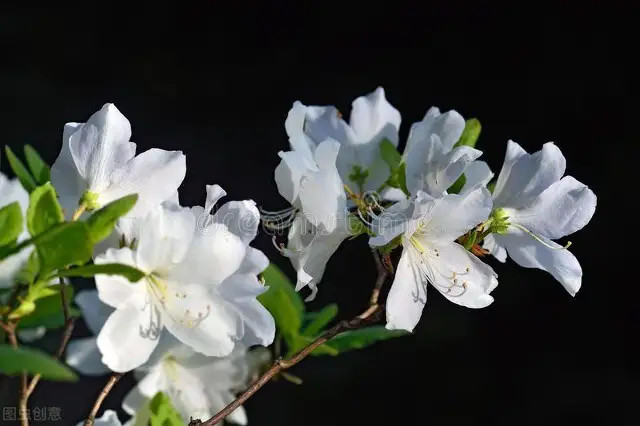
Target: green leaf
[(101, 222), (491, 186), (21, 172), (162, 412), (284, 303), (319, 320), (48, 312), (470, 133), (10, 223), (63, 245), (88, 271), (358, 339), (457, 185), (14, 361), (297, 343), (359, 175), (44, 210), (39, 169), (29, 271), (390, 154)]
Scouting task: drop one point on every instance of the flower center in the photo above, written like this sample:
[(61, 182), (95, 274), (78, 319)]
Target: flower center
[(172, 302)]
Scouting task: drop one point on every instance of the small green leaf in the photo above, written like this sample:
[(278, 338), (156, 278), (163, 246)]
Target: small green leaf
[(359, 176), (10, 223), (162, 412), (44, 210), (356, 227), (48, 312), (470, 133), (21, 172), (14, 361), (390, 154), (319, 320), (101, 222), (29, 271), (299, 342), (25, 308), (63, 245), (282, 300), (491, 186), (457, 185), (39, 169), (358, 339), (88, 271)]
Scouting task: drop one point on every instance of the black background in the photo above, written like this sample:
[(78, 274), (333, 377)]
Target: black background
[(217, 82)]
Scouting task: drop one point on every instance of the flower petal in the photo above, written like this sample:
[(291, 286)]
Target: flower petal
[(145, 389), (373, 118), (476, 173), (294, 125), (115, 290), (289, 172), (497, 250), (254, 262), (108, 418), (129, 336), (84, 356), (562, 209), (524, 176), (408, 295), (239, 217), (392, 222), (94, 312), (529, 253), (65, 176)]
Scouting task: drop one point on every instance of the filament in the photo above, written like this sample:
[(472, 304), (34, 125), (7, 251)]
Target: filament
[(540, 240)]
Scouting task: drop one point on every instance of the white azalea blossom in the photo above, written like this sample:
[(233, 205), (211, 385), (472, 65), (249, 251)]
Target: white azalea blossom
[(108, 418), (428, 228), (97, 165), (11, 191), (536, 205), (308, 178), (198, 386), (200, 285), (372, 120), (432, 163)]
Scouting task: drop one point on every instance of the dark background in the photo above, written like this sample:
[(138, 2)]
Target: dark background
[(217, 83)]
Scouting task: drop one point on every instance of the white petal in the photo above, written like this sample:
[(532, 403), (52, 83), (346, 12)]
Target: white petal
[(289, 173), (495, 248), (94, 312), (373, 118), (129, 336), (391, 222), (188, 394), (325, 122), (84, 356), (154, 175), (451, 216), (294, 125), (241, 290), (393, 194), (200, 320), (477, 173), (30, 335), (65, 176), (560, 263), (239, 217), (254, 262), (407, 296), (526, 175), (100, 145), (165, 237), (108, 418), (562, 209), (461, 277), (214, 193), (115, 290), (146, 389)]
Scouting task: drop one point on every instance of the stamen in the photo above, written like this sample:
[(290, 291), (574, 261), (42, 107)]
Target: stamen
[(540, 240)]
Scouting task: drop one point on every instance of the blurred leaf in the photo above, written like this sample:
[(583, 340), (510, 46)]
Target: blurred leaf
[(299, 342), (48, 312), (15, 360), (319, 320), (21, 172), (101, 222), (63, 245), (88, 271), (470, 133), (44, 210), (358, 339), (491, 186), (162, 412), (39, 169), (29, 271), (24, 308), (282, 300), (457, 185), (11, 224), (390, 154)]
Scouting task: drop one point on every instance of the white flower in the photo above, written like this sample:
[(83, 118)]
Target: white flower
[(307, 177), (109, 418), (537, 205), (372, 119), (97, 165), (201, 283), (83, 353), (198, 386), (428, 229), (432, 162), (10, 192)]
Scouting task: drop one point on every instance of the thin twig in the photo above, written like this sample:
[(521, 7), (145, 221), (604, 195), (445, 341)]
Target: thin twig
[(105, 391), (10, 329), (369, 316)]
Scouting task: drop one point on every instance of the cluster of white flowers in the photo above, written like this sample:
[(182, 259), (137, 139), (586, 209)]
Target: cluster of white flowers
[(186, 328), (332, 162)]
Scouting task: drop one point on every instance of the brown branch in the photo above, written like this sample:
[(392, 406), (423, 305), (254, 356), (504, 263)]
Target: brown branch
[(369, 316), (103, 394), (10, 329)]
